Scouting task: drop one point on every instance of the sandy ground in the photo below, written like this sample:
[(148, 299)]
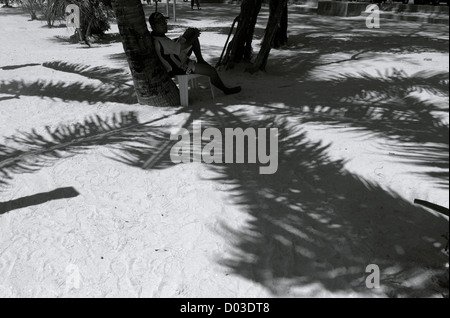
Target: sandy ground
[(363, 132)]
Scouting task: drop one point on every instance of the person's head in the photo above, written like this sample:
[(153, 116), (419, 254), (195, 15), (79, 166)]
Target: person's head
[(158, 22)]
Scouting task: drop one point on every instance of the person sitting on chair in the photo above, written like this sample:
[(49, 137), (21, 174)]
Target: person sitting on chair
[(174, 54)]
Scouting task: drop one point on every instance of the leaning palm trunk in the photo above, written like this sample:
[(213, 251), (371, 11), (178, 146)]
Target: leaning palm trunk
[(273, 24), (153, 84), (281, 37), (240, 47)]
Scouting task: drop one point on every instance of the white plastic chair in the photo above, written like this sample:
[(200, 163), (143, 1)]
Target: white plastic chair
[(183, 82)]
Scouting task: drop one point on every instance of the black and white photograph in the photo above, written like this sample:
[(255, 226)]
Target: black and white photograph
[(243, 151)]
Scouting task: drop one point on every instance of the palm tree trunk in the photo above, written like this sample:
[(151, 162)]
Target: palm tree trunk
[(153, 84), (271, 30), (240, 48), (281, 37)]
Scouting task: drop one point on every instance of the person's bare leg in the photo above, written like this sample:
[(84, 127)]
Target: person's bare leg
[(203, 68), (198, 51), (206, 69)]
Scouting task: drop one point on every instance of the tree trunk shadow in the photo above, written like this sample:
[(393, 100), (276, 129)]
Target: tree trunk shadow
[(39, 198)]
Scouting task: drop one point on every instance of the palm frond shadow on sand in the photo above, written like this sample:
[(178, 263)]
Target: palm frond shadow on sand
[(28, 152), (96, 39), (387, 105), (69, 92), (114, 85), (154, 153), (104, 74), (305, 229), (313, 223)]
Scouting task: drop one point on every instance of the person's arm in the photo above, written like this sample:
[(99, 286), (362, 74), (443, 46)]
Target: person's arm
[(189, 37)]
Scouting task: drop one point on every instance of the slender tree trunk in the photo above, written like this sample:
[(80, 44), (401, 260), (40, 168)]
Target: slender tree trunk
[(281, 37), (153, 84), (271, 30), (240, 47), (31, 7)]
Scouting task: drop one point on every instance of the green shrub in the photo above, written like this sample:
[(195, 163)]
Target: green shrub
[(32, 7), (95, 16), (53, 10)]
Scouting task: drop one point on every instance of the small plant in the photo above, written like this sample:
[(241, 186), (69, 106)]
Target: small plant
[(53, 10), (32, 7), (7, 3), (95, 14), (95, 17)]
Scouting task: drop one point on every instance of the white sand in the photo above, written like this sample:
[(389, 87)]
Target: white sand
[(198, 230)]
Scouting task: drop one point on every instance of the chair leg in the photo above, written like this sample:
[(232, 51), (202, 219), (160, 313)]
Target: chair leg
[(194, 82), (212, 87), (183, 82)]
